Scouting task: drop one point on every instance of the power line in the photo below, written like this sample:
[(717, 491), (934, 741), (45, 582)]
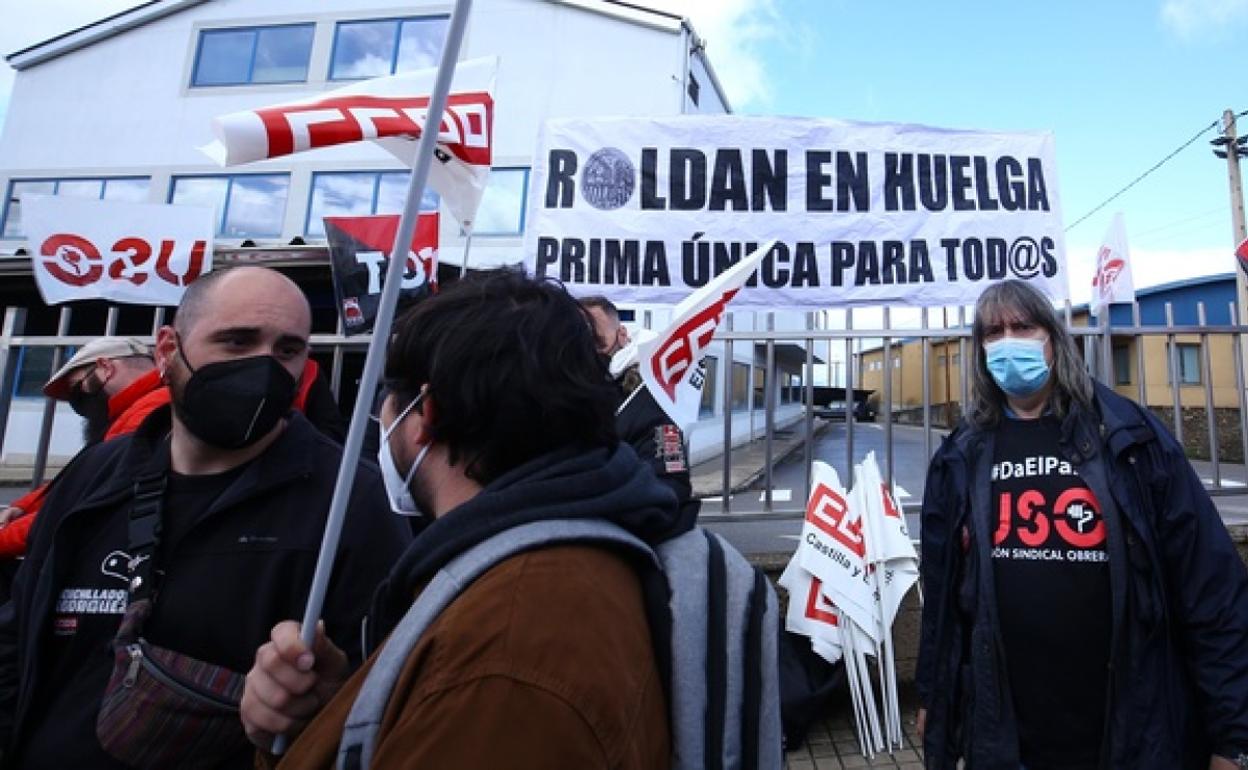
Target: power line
[(1141, 177)]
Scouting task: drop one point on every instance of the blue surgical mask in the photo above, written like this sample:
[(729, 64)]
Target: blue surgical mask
[(1017, 365), (398, 486)]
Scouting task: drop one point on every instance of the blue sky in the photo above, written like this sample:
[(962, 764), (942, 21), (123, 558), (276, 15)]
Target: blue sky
[(1121, 83)]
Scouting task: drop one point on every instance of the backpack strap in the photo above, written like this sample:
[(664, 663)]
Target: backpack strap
[(359, 737), (725, 710)]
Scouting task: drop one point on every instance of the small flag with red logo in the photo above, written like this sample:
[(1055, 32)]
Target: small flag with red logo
[(1112, 281), (671, 363)]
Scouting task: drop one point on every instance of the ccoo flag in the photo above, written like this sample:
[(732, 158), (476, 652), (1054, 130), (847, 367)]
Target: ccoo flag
[(1112, 281), (390, 111), (671, 362)]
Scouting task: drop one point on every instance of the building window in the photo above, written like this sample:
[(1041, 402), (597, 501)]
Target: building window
[(366, 49), (359, 194), (34, 368), (1122, 365), (245, 55), (1189, 364), (693, 89), (132, 189), (707, 407), (247, 205), (502, 206), (740, 386)]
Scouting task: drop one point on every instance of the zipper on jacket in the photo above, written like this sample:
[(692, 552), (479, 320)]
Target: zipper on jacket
[(138, 658), (132, 671)]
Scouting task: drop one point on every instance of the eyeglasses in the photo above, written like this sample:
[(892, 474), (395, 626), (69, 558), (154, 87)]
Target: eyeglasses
[(79, 388)]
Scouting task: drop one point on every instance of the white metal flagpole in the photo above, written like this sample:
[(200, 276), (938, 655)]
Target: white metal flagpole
[(381, 329), (463, 267)]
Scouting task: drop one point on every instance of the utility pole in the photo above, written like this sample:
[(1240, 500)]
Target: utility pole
[(1232, 148)]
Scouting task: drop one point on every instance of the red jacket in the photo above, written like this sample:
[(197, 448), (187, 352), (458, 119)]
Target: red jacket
[(125, 411)]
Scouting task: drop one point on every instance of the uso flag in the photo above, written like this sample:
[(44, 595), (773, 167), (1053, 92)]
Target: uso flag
[(136, 253), (359, 250), (671, 363), (390, 111)]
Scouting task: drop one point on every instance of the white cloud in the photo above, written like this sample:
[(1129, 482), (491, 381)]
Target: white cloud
[(1188, 18), (735, 32)]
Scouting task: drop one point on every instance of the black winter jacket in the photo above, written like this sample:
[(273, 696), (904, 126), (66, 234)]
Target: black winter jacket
[(1179, 650), (245, 565)]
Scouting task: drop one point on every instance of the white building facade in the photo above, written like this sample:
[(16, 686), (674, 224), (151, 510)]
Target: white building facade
[(117, 110)]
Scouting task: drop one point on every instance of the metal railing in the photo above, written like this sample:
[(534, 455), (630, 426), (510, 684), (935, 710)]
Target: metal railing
[(888, 342)]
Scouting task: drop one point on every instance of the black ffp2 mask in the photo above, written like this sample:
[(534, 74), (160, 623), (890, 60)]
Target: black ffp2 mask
[(233, 404)]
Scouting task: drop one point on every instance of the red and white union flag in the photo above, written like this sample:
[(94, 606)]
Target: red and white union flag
[(1112, 281), (391, 111), (671, 362)]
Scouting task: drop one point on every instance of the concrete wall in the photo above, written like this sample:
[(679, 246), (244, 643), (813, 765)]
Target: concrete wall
[(706, 437)]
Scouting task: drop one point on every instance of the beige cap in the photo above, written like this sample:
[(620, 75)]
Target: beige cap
[(104, 347)]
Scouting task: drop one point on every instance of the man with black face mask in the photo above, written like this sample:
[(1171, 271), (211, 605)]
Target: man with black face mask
[(201, 528), (639, 419), (112, 383)]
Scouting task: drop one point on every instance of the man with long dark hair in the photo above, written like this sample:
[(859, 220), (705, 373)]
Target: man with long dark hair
[(1085, 607)]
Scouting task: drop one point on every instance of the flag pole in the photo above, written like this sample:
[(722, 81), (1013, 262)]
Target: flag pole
[(463, 267), (381, 329)]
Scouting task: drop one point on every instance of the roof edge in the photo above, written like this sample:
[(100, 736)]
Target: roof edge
[(96, 31), (698, 46), (632, 12)]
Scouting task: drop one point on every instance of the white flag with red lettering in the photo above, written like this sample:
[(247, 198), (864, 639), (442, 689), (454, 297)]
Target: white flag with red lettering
[(136, 253), (390, 111), (671, 363), (1113, 282)]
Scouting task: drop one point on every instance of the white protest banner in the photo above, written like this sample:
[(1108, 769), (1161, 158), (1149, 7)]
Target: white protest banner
[(833, 549), (136, 253), (1112, 281), (671, 362), (391, 111), (645, 210)]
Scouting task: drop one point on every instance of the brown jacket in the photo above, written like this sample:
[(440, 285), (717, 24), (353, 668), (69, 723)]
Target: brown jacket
[(545, 662)]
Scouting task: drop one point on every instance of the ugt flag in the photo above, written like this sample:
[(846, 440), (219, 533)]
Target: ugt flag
[(391, 111), (1112, 281), (359, 251), (671, 363)]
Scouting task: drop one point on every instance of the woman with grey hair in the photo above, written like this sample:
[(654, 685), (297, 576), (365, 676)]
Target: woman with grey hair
[(1085, 607)]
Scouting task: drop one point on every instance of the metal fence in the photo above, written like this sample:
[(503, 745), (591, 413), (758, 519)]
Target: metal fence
[(340, 355)]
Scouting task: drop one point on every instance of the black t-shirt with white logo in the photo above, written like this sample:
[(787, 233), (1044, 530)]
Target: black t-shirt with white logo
[(1053, 596), (78, 656)]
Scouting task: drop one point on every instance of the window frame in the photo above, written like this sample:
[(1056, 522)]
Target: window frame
[(1198, 373), (395, 42), (218, 231), (1121, 356), (376, 195), (56, 184), (524, 205), (254, 29), (706, 404)]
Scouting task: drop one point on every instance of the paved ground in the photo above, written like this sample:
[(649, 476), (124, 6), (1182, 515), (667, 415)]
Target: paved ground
[(832, 743)]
